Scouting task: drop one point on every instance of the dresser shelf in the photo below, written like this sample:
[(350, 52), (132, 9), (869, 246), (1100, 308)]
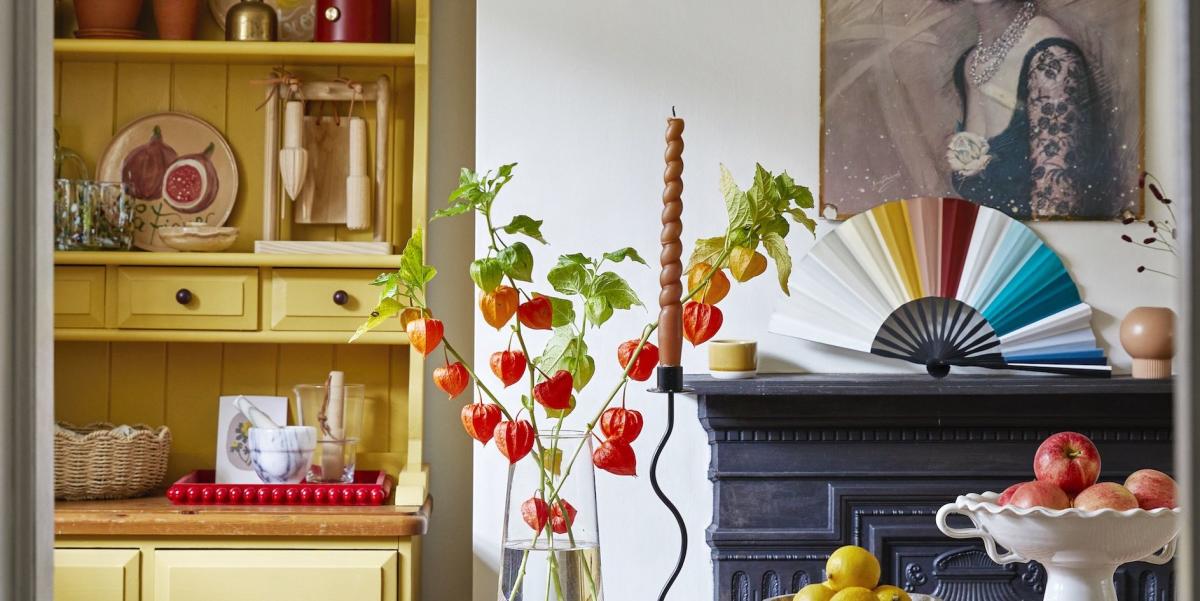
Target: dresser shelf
[(231, 259), (156, 516), (216, 51)]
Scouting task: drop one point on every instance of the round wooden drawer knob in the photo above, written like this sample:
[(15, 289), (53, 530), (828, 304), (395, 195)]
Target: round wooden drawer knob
[(183, 296), (340, 298)]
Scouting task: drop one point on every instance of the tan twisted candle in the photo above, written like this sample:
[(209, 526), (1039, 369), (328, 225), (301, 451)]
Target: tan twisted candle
[(670, 317)]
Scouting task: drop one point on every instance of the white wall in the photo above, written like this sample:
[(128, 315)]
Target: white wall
[(577, 93)]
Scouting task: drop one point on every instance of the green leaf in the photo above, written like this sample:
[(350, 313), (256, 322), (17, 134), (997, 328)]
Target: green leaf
[(737, 204), (628, 252), (598, 310), (413, 270), (576, 258), (567, 277), (777, 225), (457, 208), (803, 219), (524, 224), (778, 252), (764, 197), (564, 310), (517, 261), (568, 352), (707, 250), (387, 308), (487, 273)]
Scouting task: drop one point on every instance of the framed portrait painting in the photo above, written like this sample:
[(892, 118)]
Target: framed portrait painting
[(1032, 107)]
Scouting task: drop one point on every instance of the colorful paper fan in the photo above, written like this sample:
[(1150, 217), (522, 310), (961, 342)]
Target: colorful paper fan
[(943, 282)]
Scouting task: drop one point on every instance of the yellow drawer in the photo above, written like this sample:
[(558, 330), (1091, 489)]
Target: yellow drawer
[(275, 574), (187, 298), (78, 297), (308, 299), (96, 575)]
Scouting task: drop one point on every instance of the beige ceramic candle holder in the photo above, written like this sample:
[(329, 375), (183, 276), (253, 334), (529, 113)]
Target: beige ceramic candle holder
[(1148, 335)]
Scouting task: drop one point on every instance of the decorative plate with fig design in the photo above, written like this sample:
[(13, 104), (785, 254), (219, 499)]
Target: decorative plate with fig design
[(179, 171)]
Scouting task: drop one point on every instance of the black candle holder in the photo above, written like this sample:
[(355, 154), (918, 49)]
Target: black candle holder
[(670, 381)]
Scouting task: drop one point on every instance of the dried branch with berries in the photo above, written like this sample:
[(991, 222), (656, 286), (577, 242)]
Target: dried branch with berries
[(1162, 234)]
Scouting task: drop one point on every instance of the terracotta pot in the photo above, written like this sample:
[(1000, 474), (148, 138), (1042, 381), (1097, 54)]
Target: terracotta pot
[(176, 19), (107, 14), (1148, 335)]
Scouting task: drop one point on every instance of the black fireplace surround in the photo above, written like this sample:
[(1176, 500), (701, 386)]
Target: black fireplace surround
[(803, 464)]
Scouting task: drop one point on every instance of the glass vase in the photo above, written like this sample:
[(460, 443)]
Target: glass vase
[(338, 431), (556, 485)]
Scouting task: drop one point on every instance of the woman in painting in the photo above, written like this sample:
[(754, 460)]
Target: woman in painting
[(1032, 138)]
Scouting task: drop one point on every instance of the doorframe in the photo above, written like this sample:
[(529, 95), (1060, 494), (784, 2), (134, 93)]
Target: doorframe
[(1187, 419), (26, 300)]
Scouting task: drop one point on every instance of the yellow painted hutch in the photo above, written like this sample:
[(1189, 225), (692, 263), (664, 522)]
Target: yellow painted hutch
[(127, 352)]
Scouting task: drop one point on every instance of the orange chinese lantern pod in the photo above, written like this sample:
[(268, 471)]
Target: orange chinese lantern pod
[(746, 264), (701, 322), (514, 439), (646, 361), (480, 420), (509, 366), (425, 334), (498, 306), (536, 513), (555, 392), (615, 457), (452, 378), (536, 313), (620, 424), (562, 515), (714, 290)]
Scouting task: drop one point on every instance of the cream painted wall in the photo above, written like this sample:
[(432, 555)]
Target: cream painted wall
[(577, 92)]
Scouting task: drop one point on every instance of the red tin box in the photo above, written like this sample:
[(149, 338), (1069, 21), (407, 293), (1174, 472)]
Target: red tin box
[(354, 21), (198, 488)]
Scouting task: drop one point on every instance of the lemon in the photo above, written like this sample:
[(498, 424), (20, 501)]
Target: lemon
[(852, 566), (814, 592), (888, 592), (855, 593)]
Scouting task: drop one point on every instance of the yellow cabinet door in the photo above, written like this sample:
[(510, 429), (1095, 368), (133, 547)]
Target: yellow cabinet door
[(97, 575), (324, 299), (187, 298), (78, 297), (256, 575)]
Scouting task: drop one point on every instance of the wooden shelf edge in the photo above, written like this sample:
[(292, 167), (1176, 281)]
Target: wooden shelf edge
[(156, 516), (268, 336), (167, 259), (219, 51)]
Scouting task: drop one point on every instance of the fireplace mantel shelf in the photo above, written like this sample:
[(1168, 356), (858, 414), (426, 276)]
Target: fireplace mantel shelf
[(921, 385)]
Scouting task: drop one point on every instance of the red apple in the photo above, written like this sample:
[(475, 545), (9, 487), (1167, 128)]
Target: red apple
[(1105, 495), (1006, 496), (1068, 460), (1152, 488), (1040, 494)]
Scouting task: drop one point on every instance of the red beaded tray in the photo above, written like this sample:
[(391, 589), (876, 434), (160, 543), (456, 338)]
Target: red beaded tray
[(198, 488)]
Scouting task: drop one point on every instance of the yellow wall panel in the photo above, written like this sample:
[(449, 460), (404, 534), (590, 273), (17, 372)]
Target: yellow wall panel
[(81, 382), (142, 89), (244, 123), (86, 109), (193, 386), (138, 382), (201, 91), (250, 369), (404, 440)]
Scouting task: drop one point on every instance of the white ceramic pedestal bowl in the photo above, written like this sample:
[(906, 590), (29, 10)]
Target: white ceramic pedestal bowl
[(1079, 549)]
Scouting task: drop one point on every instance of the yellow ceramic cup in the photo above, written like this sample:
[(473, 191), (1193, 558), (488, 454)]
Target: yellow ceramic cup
[(733, 359)]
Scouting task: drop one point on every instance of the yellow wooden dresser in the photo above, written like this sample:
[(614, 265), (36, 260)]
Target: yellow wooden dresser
[(156, 338)]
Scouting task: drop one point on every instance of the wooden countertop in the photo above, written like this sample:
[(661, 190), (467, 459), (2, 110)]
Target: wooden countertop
[(156, 516)]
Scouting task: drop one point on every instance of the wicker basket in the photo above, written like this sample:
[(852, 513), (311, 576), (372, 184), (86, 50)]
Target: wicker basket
[(101, 461)]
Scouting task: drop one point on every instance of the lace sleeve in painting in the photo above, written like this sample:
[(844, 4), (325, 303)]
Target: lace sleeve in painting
[(1058, 95)]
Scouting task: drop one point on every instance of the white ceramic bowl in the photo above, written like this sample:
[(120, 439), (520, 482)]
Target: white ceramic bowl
[(198, 238), (282, 455), (1079, 549)]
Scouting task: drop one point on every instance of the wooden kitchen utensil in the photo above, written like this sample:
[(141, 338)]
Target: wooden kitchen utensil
[(293, 157), (358, 183)]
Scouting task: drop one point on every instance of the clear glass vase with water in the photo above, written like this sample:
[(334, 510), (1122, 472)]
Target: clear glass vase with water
[(561, 562)]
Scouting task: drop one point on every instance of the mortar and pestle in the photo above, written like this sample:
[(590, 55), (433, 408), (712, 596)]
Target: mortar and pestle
[(278, 454)]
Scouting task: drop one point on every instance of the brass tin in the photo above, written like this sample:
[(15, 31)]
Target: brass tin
[(251, 21)]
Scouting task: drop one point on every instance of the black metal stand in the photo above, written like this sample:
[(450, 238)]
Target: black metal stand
[(670, 381)]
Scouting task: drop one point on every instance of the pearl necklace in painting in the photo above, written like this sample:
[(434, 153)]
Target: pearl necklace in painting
[(987, 59)]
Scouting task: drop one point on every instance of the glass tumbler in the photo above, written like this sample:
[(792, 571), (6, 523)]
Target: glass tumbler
[(338, 429), (92, 215)]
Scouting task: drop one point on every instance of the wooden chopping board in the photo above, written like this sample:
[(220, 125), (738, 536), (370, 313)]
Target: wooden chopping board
[(322, 200)]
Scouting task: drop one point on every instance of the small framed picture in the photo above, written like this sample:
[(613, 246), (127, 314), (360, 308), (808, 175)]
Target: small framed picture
[(233, 433)]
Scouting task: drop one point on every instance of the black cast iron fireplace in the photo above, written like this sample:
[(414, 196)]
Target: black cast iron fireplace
[(804, 464)]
